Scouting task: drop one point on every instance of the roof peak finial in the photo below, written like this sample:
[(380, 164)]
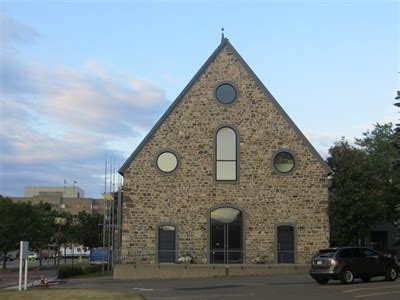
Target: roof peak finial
[(222, 34)]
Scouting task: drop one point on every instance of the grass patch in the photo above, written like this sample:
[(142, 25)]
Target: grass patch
[(51, 294)]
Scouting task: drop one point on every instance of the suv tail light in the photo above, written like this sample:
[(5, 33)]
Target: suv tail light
[(332, 262)]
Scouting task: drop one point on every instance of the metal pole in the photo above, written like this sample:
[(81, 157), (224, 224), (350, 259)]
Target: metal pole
[(112, 218), (109, 235), (26, 274), (58, 250), (72, 256), (109, 221), (104, 213), (112, 233), (119, 224), (20, 266)]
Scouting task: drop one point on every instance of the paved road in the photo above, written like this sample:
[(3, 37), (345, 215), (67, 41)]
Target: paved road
[(272, 287)]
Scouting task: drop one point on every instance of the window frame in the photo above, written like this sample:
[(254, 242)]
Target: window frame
[(237, 167), (155, 161), (345, 250), (291, 152), (371, 250), (215, 93)]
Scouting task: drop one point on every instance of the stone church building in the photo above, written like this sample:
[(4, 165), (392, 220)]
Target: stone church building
[(224, 176)]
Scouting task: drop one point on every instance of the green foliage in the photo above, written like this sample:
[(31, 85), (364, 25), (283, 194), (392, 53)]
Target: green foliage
[(8, 238), (68, 271), (23, 221), (19, 221), (364, 187), (88, 231)]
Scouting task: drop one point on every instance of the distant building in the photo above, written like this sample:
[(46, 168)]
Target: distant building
[(67, 191), (69, 199), (382, 237)]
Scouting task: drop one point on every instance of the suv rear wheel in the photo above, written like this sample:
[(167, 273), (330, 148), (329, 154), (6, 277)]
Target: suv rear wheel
[(391, 273), (346, 276), (321, 280)]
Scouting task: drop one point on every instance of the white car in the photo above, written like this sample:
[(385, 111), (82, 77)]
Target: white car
[(33, 256)]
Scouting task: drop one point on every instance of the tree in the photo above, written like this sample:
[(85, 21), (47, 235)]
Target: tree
[(87, 229), (8, 232), (19, 222), (46, 228), (378, 145), (396, 165), (354, 204)]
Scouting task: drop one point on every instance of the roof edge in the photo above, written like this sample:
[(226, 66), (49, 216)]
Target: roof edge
[(224, 42), (281, 110)]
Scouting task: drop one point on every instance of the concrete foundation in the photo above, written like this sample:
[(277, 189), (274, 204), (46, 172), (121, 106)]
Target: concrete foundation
[(165, 271)]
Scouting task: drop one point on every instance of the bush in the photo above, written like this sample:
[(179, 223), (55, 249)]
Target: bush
[(65, 272), (68, 271)]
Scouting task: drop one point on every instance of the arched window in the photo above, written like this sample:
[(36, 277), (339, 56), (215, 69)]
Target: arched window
[(226, 155)]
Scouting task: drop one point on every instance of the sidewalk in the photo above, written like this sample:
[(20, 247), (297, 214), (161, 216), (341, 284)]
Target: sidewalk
[(31, 284), (9, 277)]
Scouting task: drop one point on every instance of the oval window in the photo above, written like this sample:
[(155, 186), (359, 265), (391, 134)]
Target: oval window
[(284, 162), (167, 162), (225, 93)]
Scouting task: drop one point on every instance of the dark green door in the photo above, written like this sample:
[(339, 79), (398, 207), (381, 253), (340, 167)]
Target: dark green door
[(285, 244)]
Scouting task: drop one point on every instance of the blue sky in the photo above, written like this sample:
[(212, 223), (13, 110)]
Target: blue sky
[(82, 78)]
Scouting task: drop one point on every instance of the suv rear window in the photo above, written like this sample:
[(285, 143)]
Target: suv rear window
[(357, 252), (326, 253), (345, 253)]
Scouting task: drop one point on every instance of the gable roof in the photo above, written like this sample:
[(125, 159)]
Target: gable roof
[(224, 42)]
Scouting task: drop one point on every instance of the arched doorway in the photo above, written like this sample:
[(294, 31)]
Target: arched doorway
[(286, 244), (166, 243), (226, 235)]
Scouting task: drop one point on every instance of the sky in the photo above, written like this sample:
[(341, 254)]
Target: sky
[(84, 79)]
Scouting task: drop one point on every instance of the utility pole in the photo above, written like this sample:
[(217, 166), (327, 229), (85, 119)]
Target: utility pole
[(119, 222), (109, 220), (104, 213)]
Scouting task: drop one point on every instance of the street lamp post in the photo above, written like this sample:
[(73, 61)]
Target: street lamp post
[(59, 222)]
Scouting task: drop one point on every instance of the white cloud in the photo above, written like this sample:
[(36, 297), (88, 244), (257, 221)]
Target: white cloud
[(322, 142), (57, 121)]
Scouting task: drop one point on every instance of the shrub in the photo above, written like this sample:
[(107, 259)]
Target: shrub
[(68, 271)]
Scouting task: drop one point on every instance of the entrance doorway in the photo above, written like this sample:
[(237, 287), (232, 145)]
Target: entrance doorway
[(226, 236), (166, 244), (285, 244)]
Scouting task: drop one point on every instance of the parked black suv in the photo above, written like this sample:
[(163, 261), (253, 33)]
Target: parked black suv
[(347, 263)]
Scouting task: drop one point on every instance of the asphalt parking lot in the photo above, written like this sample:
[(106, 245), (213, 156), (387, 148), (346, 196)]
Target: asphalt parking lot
[(272, 287)]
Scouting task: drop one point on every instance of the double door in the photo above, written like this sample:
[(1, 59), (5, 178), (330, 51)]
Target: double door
[(226, 243)]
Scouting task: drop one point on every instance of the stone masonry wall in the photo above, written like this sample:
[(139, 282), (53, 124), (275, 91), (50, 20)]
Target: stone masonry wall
[(184, 197)]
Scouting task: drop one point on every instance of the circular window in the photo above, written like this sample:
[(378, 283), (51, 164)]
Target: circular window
[(167, 162), (284, 162), (225, 93)]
